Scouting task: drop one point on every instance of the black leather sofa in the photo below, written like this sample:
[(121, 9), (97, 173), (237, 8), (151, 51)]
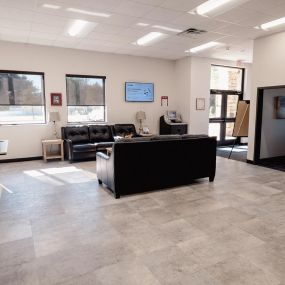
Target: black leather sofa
[(122, 130), (145, 164), (82, 142)]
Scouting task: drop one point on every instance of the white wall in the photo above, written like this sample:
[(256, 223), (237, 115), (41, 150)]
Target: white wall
[(273, 130), (268, 70), (25, 140), (183, 87)]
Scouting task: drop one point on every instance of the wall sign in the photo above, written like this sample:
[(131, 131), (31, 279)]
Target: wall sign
[(200, 103), (164, 100)]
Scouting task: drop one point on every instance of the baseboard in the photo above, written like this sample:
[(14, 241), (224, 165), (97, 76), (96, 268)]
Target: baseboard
[(272, 159), (21, 159), (249, 161)]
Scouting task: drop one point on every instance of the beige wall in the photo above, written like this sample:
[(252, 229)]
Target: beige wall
[(268, 70), (25, 140)]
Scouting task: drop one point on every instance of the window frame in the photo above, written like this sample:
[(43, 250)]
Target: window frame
[(44, 98), (104, 97), (223, 120)]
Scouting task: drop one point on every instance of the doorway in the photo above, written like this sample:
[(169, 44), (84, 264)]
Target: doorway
[(227, 84)]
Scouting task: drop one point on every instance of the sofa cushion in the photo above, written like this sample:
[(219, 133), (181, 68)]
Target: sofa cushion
[(77, 134), (103, 145), (88, 147), (166, 137), (123, 130), (194, 136), (100, 133)]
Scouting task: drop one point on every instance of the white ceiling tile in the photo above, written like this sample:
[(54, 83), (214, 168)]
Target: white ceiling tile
[(14, 34), (162, 14), (28, 21), (127, 7), (36, 27), (15, 24), (122, 20), (150, 2), (181, 5), (20, 4), (39, 41)]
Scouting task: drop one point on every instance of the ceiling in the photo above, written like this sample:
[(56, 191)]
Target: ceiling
[(26, 21)]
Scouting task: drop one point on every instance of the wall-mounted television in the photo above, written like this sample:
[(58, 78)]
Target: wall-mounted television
[(139, 92)]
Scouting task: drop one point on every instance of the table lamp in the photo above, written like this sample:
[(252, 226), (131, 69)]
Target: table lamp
[(54, 117), (140, 118)]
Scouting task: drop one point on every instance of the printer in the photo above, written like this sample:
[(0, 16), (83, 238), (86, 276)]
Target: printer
[(171, 124)]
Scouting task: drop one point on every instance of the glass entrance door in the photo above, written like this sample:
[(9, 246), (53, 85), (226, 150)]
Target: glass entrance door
[(226, 91), (223, 108)]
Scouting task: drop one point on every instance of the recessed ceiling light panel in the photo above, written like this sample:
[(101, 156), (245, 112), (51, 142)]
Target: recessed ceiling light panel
[(142, 24), (91, 13), (202, 47), (80, 28), (51, 6), (150, 38), (211, 5), (216, 7), (273, 24)]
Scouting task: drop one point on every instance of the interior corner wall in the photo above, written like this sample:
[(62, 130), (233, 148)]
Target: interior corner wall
[(183, 88), (268, 70), (25, 140)]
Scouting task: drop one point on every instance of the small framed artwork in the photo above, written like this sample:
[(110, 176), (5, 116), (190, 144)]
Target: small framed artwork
[(200, 103), (56, 99)]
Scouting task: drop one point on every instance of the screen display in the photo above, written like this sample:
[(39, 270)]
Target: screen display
[(139, 92)]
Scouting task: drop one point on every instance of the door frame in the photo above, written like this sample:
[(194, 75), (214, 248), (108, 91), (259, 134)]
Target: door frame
[(223, 120)]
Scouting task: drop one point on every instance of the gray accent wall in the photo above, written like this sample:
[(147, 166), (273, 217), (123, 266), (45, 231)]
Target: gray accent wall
[(273, 130)]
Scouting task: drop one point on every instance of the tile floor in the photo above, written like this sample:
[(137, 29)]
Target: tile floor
[(60, 227)]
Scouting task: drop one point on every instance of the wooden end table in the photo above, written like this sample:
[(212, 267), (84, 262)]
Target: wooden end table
[(52, 142)]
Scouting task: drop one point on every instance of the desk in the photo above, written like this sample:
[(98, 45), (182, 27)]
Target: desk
[(52, 142)]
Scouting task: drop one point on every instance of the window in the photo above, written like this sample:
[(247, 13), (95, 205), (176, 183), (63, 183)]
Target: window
[(85, 98), (22, 99), (226, 78)]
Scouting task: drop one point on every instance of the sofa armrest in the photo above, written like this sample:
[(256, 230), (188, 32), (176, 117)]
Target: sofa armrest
[(102, 156), (105, 171), (68, 149)]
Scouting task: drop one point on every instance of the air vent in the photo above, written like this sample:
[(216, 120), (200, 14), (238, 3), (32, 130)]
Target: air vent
[(192, 32)]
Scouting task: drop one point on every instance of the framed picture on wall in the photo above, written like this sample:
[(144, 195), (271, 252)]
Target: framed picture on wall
[(200, 103), (56, 99)]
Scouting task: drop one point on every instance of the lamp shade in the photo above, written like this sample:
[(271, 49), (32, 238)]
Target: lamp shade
[(54, 117), (3, 147), (140, 116)]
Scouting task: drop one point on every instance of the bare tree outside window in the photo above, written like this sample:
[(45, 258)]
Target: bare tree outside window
[(21, 98), (85, 98)]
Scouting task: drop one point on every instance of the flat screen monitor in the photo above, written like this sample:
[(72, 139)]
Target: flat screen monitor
[(139, 92)]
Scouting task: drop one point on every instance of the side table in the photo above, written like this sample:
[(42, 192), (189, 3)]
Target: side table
[(52, 142)]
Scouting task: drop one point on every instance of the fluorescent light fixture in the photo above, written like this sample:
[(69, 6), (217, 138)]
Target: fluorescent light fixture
[(80, 28), (142, 24), (91, 13), (51, 6), (273, 24), (167, 29), (211, 5), (202, 47), (150, 38)]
